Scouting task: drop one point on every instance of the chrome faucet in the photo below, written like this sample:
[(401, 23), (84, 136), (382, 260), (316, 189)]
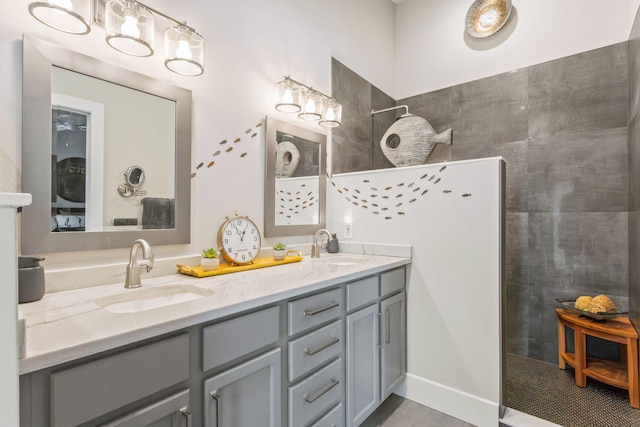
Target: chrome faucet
[(135, 268), (316, 247)]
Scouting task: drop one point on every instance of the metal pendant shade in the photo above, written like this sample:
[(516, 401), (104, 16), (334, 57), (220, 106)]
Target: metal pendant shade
[(69, 16), (410, 140)]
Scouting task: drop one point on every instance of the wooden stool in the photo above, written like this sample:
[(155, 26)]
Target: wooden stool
[(623, 374)]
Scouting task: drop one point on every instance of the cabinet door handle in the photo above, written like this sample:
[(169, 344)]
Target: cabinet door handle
[(379, 335), (186, 414), (318, 394), (312, 351), (313, 312), (215, 396), (387, 321)]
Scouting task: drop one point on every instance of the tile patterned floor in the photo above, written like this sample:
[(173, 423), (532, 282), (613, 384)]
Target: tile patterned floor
[(399, 412)]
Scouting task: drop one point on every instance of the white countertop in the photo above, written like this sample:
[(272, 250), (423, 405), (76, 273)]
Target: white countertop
[(15, 200), (68, 325)]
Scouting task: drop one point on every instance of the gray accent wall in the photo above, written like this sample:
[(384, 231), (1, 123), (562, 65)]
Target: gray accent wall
[(356, 151), (562, 128)]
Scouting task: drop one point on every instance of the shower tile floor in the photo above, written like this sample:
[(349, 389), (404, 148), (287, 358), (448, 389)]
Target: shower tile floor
[(533, 387)]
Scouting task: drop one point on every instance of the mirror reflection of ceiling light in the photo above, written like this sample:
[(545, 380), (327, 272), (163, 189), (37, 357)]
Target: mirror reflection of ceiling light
[(129, 28), (310, 104), (486, 17)]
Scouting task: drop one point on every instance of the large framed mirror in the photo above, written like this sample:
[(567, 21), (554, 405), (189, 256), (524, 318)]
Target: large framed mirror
[(295, 180), (85, 123)]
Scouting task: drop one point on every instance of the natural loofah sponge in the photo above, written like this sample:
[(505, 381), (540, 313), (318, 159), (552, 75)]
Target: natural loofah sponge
[(582, 303), (605, 302)]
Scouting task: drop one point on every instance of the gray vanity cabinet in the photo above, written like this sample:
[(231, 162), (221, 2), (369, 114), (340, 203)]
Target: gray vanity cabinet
[(376, 341), (246, 395), (170, 412), (315, 362), (323, 359), (363, 364), (393, 359)]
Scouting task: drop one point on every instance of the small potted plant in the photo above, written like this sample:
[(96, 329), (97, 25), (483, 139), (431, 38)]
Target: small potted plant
[(209, 259), (279, 251)]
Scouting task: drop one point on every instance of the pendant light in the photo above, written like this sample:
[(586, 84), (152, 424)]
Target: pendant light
[(129, 27), (331, 113), (184, 50), (311, 105), (69, 16), (287, 96)]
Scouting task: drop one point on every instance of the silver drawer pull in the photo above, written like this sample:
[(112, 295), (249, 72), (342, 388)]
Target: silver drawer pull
[(215, 396), (186, 414), (313, 312), (318, 394), (312, 351)]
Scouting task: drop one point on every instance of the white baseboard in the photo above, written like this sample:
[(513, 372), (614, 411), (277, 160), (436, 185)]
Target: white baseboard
[(513, 418), (464, 406)]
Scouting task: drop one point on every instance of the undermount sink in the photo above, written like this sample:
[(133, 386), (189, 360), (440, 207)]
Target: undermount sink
[(340, 260), (136, 300)]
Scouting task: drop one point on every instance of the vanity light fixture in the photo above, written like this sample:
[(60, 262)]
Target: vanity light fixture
[(69, 16), (129, 27), (310, 104)]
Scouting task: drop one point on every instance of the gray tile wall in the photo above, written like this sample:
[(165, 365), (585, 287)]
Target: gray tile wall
[(562, 128), (352, 142)]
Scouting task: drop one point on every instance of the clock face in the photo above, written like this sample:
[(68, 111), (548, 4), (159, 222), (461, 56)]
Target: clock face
[(239, 240)]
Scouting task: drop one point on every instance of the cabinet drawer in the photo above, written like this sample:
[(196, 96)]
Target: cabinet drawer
[(311, 311), (313, 349), (362, 292), (85, 392), (335, 418), (173, 411), (392, 281), (316, 394), (225, 341)]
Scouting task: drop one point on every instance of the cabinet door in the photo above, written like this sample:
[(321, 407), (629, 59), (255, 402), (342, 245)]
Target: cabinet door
[(394, 343), (363, 364), (170, 412), (246, 395)]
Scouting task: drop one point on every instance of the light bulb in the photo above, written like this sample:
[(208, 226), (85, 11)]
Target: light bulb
[(184, 50), (130, 27), (311, 106), (331, 114), (287, 96), (65, 4)]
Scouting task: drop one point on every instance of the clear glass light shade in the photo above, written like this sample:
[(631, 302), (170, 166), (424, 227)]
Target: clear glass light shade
[(184, 51), (70, 16), (311, 105), (331, 113), (287, 97), (129, 27)]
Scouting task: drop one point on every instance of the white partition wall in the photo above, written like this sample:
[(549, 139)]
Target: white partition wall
[(9, 306), (451, 214)]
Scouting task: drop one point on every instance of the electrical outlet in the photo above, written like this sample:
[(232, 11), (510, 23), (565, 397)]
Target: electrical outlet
[(348, 229)]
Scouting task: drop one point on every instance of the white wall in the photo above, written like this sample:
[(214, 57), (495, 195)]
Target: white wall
[(434, 52), (453, 294), (250, 45)]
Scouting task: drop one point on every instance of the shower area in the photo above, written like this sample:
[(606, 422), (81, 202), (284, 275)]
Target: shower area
[(568, 131)]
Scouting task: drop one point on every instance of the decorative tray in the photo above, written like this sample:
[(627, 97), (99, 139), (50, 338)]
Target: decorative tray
[(226, 268), (570, 304)]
